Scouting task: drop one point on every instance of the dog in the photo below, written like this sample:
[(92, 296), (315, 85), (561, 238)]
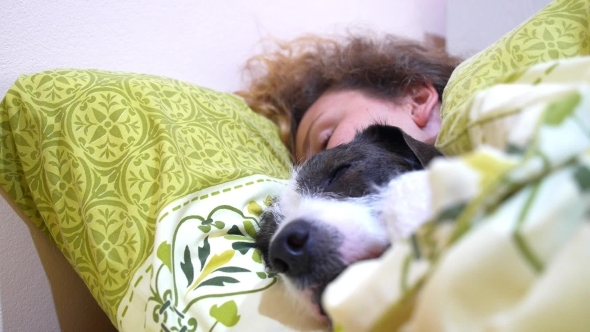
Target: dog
[(341, 206)]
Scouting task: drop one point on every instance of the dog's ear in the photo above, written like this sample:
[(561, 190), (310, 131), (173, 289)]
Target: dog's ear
[(424, 152), (397, 141)]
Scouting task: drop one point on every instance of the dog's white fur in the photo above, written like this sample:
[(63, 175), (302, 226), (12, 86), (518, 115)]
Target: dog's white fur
[(394, 212), (355, 218), (405, 204)]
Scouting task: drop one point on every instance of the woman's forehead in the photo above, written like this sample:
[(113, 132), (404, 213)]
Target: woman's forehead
[(329, 110), (324, 108)]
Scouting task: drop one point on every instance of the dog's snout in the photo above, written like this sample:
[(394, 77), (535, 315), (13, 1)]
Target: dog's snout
[(289, 252)]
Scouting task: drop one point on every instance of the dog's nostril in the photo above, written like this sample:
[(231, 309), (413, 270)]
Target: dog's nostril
[(296, 240), (289, 251)]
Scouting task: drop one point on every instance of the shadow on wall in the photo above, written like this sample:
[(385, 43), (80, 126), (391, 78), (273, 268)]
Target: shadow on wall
[(52, 279)]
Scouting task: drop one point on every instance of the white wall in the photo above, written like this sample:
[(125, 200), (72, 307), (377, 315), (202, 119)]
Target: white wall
[(200, 41), (472, 25)]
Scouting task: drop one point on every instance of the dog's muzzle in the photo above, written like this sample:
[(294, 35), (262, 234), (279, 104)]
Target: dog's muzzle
[(308, 252), (295, 247)]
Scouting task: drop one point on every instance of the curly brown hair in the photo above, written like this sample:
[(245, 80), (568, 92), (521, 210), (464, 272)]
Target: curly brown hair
[(284, 83)]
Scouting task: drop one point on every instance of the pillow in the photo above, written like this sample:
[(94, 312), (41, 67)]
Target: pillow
[(151, 188), (560, 30)]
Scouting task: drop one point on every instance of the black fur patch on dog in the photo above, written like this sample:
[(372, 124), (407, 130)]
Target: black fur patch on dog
[(375, 156)]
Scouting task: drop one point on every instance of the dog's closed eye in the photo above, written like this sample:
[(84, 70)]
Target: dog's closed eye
[(335, 175)]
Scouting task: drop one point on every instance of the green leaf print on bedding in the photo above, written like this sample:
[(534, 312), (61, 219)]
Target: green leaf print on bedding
[(195, 271), (226, 314)]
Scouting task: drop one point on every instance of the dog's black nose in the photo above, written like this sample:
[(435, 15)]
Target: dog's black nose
[(289, 251)]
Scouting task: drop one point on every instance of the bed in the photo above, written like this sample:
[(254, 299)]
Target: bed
[(152, 188)]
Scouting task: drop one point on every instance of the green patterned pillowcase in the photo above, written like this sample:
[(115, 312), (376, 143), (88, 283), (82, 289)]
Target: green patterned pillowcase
[(94, 157), (560, 30)]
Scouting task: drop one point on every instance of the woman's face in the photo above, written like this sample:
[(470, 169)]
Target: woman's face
[(337, 116)]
